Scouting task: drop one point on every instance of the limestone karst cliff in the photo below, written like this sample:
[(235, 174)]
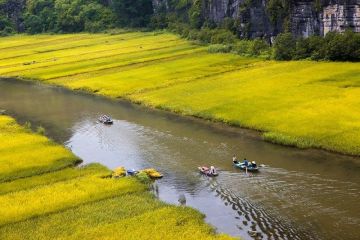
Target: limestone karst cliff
[(263, 18)]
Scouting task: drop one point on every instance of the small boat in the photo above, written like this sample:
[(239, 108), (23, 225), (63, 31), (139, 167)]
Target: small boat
[(132, 172), (105, 119), (152, 173), (242, 166), (206, 171)]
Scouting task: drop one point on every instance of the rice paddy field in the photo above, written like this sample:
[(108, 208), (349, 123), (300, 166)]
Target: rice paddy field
[(299, 103), (44, 196)]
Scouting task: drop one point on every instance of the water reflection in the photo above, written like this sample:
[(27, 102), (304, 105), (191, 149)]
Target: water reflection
[(298, 195)]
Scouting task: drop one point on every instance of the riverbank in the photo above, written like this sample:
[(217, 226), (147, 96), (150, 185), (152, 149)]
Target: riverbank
[(43, 195), (304, 104)]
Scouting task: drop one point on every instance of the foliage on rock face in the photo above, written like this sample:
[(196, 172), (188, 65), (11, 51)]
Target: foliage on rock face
[(132, 13)]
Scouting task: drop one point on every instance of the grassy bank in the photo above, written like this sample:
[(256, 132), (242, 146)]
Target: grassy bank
[(304, 104), (43, 196)]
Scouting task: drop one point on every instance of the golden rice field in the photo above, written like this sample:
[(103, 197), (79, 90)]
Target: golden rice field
[(43, 196), (300, 103)]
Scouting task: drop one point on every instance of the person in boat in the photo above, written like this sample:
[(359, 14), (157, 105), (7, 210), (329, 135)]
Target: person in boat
[(246, 162), (212, 170), (234, 159), (253, 164)]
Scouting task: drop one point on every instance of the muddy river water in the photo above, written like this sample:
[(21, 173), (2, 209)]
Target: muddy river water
[(298, 194)]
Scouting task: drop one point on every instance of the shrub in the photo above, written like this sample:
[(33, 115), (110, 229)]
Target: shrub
[(242, 47), (343, 47), (6, 31), (204, 35), (143, 177), (284, 47), (222, 36), (258, 46), (40, 130)]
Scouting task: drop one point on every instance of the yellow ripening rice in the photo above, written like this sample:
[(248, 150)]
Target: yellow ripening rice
[(24, 153)]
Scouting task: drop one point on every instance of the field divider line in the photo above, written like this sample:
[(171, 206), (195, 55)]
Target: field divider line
[(83, 60), (144, 63)]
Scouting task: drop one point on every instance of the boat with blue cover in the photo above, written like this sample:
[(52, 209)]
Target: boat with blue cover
[(243, 166)]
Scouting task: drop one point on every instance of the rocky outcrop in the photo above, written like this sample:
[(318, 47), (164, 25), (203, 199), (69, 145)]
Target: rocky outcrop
[(304, 18), (340, 16)]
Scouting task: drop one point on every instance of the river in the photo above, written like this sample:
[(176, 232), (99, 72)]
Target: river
[(298, 194)]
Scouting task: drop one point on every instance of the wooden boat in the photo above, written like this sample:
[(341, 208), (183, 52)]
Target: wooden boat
[(250, 168), (105, 119), (206, 171), (152, 173)]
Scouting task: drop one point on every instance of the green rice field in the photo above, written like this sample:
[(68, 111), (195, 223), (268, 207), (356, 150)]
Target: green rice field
[(44, 196), (300, 103)]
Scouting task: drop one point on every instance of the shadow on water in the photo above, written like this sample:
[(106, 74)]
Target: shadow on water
[(300, 194)]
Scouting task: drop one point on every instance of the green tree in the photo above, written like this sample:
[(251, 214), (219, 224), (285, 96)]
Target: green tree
[(33, 24), (195, 16), (284, 47), (67, 13), (43, 9), (96, 17), (343, 47)]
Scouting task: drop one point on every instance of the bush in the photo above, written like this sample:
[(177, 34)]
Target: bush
[(222, 36), (40, 130), (284, 47), (143, 178), (258, 46), (242, 47), (204, 35), (343, 47), (7, 31), (193, 35)]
